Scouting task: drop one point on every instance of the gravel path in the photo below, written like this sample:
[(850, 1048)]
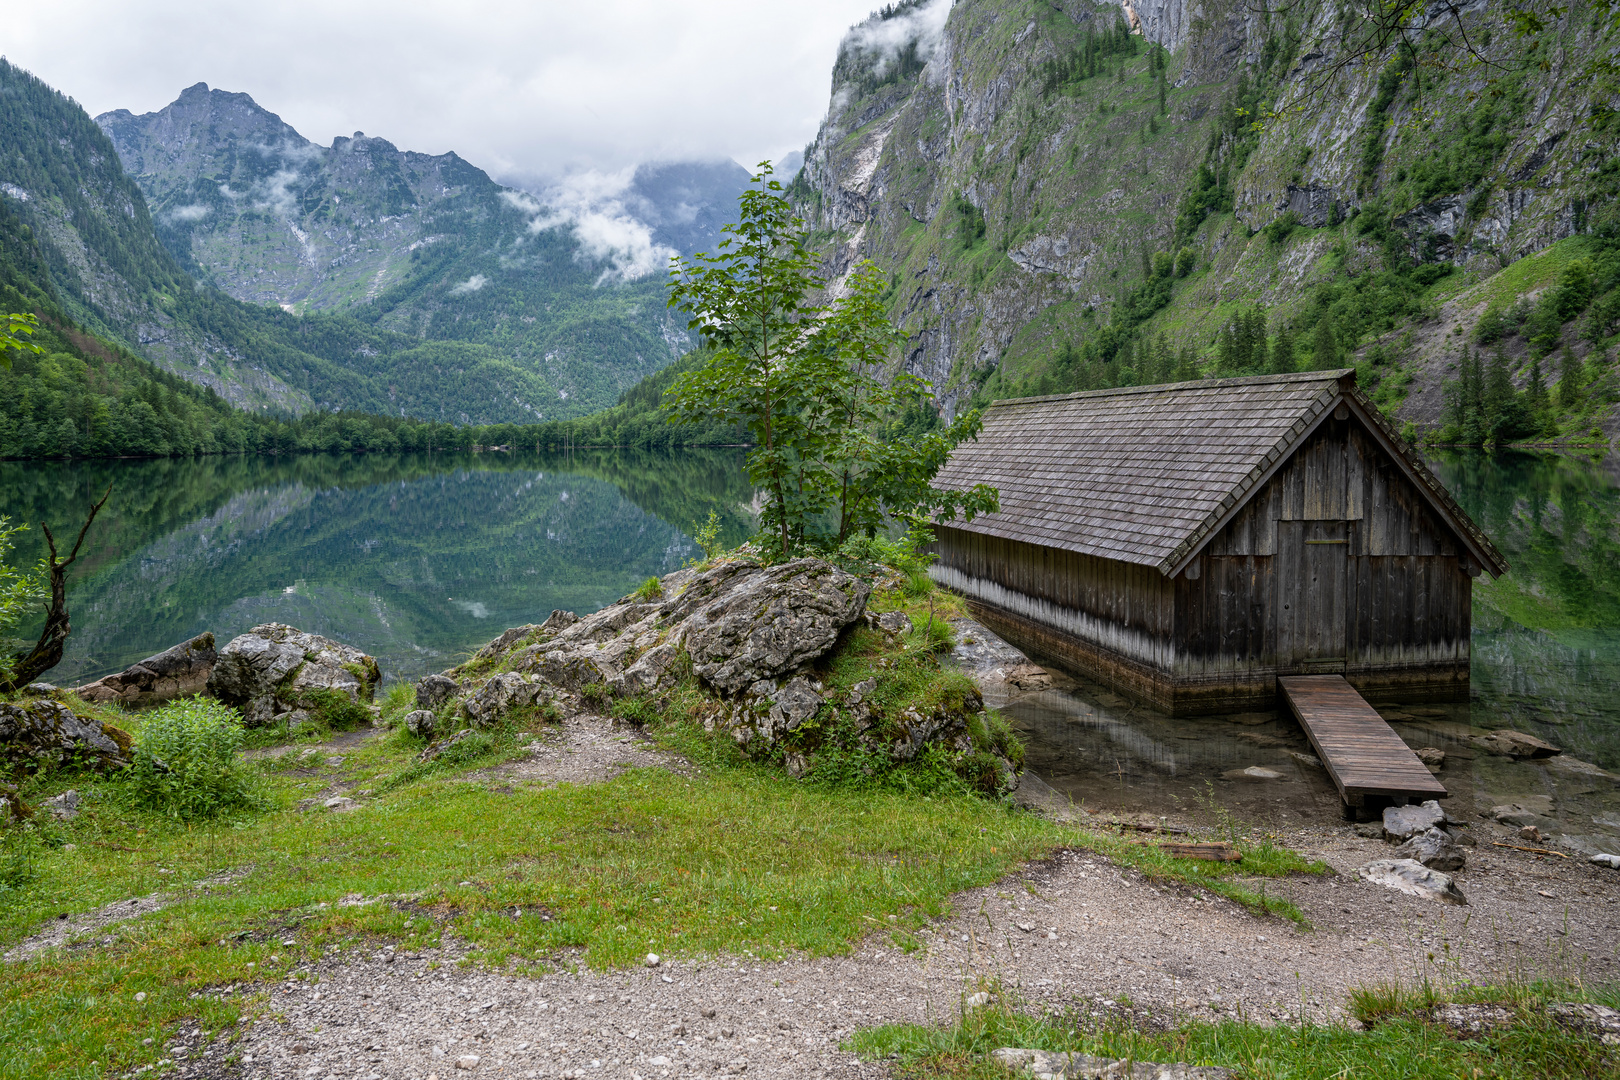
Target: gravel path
[(1074, 932)]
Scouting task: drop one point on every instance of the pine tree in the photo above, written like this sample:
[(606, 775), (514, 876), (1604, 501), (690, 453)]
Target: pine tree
[(1325, 345), (1163, 93), (1536, 390), (1569, 380), (1282, 352)]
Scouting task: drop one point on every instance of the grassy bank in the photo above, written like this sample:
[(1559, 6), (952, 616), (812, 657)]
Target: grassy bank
[(1401, 1041)]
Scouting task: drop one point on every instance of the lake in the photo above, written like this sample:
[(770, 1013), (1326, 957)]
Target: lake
[(416, 559), (420, 560)]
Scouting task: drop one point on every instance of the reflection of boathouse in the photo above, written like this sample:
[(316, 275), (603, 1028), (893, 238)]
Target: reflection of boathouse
[(1187, 544)]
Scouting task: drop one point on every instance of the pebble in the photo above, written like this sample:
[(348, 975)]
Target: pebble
[(652, 959), (467, 1061)]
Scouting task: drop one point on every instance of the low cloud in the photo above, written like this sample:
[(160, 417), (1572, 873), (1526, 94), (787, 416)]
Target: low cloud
[(881, 41), (194, 212), (275, 193), (471, 285), (593, 205)]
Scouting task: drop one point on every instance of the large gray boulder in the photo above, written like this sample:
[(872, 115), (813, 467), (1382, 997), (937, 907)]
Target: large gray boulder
[(1413, 878), (176, 672), (742, 624), (434, 690), (43, 732), (275, 669), (1433, 848), (1404, 822)]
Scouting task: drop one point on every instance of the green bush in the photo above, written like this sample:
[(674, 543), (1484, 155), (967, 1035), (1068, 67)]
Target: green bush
[(649, 590), (187, 762)]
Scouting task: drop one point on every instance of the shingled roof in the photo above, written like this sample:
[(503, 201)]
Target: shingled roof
[(1147, 474)]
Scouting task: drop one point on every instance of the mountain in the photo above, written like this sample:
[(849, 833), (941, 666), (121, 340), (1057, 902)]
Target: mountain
[(421, 245), (1070, 195)]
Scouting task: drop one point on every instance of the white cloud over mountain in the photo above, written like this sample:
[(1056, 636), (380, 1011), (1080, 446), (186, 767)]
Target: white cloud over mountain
[(525, 90)]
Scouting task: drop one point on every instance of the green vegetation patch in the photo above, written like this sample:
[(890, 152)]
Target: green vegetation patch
[(1404, 1044)]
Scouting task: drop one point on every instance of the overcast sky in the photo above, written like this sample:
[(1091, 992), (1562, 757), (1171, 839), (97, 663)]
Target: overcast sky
[(523, 90)]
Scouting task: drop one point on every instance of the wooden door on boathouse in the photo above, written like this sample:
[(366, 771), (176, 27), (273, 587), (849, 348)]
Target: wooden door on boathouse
[(1313, 595)]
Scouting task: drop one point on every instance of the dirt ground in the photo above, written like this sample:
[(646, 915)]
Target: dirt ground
[(1073, 932)]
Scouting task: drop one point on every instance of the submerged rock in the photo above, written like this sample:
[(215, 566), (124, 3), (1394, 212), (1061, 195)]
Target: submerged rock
[(1516, 744), (1413, 878), (176, 672), (275, 669), (46, 732)]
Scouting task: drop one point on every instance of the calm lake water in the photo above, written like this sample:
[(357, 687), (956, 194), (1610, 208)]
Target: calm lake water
[(419, 560)]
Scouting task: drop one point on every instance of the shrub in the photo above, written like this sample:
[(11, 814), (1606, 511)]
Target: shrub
[(649, 590), (336, 709), (187, 764)]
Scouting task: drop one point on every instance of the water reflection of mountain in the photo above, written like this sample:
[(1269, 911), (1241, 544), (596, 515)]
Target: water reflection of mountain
[(416, 560), (1546, 636)]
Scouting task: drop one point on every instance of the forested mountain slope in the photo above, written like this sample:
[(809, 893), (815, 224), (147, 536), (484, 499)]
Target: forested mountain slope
[(1070, 195), (465, 352)]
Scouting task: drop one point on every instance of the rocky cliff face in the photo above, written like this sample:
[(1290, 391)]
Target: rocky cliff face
[(1017, 181), (276, 219)]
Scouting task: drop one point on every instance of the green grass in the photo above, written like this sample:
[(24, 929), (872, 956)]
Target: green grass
[(1404, 1045), (741, 861)]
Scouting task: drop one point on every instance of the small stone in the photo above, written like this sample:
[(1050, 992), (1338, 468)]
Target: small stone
[(1603, 859), (1433, 757), (467, 1061), (340, 803), (658, 1062), (977, 1001), (1530, 834), (63, 807), (1253, 772), (141, 996), (652, 960), (70, 847), (420, 722), (709, 1013)]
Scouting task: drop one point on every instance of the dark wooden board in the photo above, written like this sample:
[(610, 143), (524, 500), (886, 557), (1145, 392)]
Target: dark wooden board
[(1361, 752)]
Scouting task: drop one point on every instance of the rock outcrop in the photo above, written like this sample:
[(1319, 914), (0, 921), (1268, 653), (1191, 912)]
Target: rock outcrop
[(173, 673), (752, 636), (275, 671), (43, 732)]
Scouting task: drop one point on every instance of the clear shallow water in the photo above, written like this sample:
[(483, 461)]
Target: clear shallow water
[(1546, 660), (418, 560)]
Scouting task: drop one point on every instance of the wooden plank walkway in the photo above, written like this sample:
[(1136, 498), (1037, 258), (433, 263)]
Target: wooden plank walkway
[(1360, 751)]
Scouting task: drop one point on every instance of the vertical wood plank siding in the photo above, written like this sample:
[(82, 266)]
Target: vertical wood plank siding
[(1336, 565)]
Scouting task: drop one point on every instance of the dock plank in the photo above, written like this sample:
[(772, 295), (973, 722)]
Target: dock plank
[(1361, 752)]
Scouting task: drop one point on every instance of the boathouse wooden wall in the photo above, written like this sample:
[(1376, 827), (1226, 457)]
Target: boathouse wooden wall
[(1337, 564)]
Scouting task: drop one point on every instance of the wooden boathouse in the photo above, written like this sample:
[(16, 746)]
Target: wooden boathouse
[(1189, 544)]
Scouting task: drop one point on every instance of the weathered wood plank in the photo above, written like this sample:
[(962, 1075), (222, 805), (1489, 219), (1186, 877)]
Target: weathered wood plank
[(1361, 752)]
